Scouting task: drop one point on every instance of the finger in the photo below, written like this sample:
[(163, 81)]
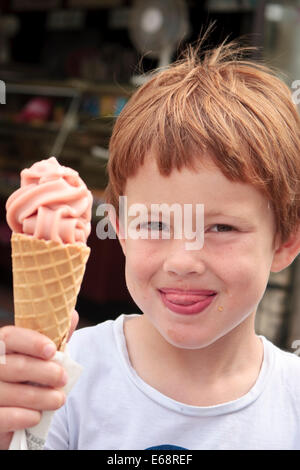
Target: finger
[(26, 341), (14, 418), (31, 396), (5, 440), (21, 368), (74, 323)]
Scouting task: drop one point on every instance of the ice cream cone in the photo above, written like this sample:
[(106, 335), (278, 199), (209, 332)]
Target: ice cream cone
[(47, 276)]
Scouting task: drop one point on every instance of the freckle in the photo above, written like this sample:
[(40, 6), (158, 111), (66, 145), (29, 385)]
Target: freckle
[(220, 308)]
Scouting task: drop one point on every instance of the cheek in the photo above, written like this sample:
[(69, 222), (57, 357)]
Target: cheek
[(140, 268), (142, 262), (246, 285), (244, 270)]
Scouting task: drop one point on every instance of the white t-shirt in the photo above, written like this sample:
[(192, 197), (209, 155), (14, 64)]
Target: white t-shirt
[(111, 407)]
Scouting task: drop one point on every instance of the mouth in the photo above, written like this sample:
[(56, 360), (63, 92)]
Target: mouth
[(187, 302)]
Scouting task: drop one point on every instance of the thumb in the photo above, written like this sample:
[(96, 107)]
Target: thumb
[(74, 323)]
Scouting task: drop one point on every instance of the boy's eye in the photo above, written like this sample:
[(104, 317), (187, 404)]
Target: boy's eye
[(222, 228), (157, 226)]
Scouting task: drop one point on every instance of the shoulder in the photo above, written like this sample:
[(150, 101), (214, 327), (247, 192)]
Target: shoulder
[(287, 367), (289, 361)]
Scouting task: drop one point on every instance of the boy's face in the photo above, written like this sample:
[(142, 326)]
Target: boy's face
[(165, 278)]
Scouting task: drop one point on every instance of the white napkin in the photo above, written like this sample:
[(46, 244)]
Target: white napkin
[(34, 438)]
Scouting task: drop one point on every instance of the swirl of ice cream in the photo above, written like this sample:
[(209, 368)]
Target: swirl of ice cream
[(53, 203)]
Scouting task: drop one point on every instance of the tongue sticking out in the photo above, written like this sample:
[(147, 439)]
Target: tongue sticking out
[(185, 299)]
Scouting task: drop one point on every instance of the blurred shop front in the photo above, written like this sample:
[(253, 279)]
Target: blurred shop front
[(69, 67), (281, 41)]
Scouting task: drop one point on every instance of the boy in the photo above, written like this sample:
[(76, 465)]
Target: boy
[(190, 372)]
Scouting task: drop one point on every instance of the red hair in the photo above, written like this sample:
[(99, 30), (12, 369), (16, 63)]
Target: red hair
[(219, 103)]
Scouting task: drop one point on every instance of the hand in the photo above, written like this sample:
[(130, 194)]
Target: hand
[(28, 359)]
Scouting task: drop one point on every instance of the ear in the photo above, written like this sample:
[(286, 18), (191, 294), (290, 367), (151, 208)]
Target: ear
[(118, 228), (286, 252)]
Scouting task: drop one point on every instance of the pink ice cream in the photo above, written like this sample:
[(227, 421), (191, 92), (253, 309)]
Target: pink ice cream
[(53, 203)]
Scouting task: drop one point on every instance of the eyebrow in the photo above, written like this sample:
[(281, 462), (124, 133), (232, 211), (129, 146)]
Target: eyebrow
[(242, 218)]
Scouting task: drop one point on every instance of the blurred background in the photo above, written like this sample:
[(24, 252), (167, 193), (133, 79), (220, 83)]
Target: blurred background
[(67, 69)]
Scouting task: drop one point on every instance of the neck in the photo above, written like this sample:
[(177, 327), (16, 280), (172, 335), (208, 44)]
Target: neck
[(230, 354), (226, 369)]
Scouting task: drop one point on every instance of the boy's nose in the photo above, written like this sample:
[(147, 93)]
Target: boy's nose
[(182, 262)]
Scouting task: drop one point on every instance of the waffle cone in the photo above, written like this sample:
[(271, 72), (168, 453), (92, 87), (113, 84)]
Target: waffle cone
[(47, 277)]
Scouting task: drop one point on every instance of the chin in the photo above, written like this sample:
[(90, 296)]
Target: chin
[(188, 340)]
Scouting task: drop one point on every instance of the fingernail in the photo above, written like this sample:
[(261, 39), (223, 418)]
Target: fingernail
[(49, 351)]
